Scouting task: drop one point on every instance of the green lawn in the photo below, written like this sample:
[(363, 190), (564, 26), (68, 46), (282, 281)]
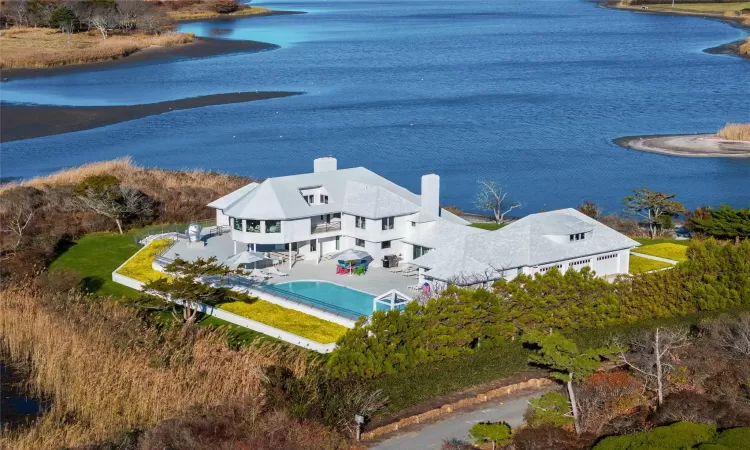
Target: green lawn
[(94, 257), (649, 241), (668, 250), (488, 226), (639, 264)]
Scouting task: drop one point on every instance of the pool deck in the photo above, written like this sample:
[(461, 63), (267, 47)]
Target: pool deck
[(376, 281)]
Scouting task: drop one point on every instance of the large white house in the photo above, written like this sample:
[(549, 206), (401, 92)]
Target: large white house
[(332, 209), (565, 239)]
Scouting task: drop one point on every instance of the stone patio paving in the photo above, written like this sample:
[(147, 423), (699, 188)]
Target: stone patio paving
[(376, 281)]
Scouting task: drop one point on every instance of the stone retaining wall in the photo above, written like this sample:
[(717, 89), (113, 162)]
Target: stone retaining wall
[(450, 407)]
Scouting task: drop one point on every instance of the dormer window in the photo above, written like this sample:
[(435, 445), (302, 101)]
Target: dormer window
[(324, 199), (310, 199), (577, 237)]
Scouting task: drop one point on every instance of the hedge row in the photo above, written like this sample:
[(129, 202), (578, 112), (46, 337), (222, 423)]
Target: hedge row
[(715, 277)]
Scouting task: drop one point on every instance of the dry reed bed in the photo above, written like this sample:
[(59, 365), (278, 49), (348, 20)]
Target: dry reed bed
[(735, 131), (745, 47), (107, 370), (46, 47), (130, 174)]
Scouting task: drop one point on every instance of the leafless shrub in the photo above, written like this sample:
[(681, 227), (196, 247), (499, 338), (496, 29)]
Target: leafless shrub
[(730, 334)]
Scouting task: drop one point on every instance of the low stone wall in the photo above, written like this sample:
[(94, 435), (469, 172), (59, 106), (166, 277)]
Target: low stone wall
[(451, 407)]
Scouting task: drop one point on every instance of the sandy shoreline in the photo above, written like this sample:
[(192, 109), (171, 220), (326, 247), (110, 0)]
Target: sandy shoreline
[(687, 145), (25, 122), (730, 48)]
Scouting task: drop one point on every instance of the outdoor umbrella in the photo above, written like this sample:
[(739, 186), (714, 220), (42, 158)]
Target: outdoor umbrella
[(351, 255), (245, 258)]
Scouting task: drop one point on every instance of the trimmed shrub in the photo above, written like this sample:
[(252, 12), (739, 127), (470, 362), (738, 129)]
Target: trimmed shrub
[(551, 408), (678, 436), (495, 433)]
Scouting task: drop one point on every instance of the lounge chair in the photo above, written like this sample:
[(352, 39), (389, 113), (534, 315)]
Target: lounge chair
[(276, 272), (415, 287), (257, 273)]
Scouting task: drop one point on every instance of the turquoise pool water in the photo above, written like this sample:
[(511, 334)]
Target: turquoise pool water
[(328, 296)]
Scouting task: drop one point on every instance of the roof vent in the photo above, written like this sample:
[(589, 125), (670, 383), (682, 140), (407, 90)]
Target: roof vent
[(325, 164)]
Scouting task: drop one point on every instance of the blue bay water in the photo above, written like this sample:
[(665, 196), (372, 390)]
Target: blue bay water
[(527, 93)]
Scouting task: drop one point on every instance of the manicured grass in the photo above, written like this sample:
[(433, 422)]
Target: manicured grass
[(706, 8), (94, 257), (649, 241), (668, 250), (139, 267), (301, 324), (488, 226), (639, 264)]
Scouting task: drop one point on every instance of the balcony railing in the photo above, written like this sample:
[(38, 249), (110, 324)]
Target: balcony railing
[(326, 227)]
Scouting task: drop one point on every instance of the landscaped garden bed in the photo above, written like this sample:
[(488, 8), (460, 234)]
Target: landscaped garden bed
[(301, 324), (139, 266)]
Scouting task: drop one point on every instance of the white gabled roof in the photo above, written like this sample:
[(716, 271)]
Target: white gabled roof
[(439, 234), (525, 243), (233, 196), (356, 191), (368, 200)]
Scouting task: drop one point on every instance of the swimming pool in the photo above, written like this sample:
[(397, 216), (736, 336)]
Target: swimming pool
[(328, 296)]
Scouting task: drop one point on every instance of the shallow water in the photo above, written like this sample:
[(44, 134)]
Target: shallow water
[(16, 408), (527, 93)]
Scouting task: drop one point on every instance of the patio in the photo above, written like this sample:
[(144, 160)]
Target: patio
[(376, 281)]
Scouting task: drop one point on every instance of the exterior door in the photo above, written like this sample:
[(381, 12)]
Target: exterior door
[(313, 245)]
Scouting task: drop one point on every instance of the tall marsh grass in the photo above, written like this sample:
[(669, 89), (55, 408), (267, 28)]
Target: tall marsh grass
[(106, 370), (735, 131), (45, 47)]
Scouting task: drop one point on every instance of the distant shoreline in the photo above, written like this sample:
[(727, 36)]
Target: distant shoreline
[(687, 145), (27, 121), (730, 48)]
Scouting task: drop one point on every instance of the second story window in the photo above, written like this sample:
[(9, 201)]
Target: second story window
[(387, 223), (324, 199), (252, 226), (237, 224), (359, 222), (310, 199), (577, 237), (273, 226)]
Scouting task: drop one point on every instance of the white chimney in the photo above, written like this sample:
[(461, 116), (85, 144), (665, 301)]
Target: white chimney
[(325, 164), (431, 194)]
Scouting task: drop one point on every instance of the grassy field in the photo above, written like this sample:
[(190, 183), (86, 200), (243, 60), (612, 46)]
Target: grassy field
[(668, 250), (194, 14), (703, 8), (649, 241), (639, 264), (488, 226), (301, 324), (48, 47), (94, 257)]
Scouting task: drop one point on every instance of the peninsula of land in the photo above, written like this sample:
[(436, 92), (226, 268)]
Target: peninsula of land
[(26, 122), (735, 13), (691, 145)]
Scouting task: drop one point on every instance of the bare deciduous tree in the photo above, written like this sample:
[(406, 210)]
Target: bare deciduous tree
[(17, 207), (106, 196), (732, 335), (492, 197), (103, 19), (652, 356)]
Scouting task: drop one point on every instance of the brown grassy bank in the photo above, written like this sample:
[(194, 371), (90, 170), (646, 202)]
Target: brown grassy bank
[(735, 131), (25, 47), (201, 11), (745, 47), (106, 370)]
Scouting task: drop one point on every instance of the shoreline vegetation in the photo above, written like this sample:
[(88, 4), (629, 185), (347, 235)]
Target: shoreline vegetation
[(736, 13), (85, 35), (732, 141), (27, 122)]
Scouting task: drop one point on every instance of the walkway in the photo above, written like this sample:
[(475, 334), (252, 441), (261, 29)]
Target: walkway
[(432, 435), (655, 258)]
